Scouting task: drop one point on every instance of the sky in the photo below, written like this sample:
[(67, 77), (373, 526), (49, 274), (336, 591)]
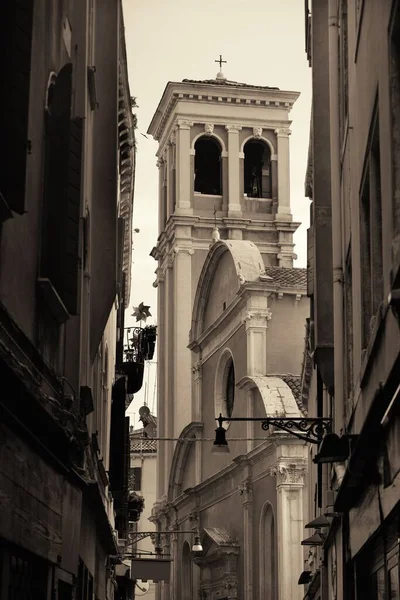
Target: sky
[(170, 40)]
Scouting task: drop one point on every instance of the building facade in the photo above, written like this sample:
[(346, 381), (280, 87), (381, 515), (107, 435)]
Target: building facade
[(66, 191), (353, 279), (142, 480), (231, 321)]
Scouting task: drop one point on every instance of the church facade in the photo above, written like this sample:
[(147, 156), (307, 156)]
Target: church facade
[(231, 329)]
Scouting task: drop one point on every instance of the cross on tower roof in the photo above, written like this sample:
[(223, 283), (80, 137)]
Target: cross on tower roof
[(220, 61)]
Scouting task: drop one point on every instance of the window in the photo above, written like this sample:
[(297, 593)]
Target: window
[(16, 25), (377, 568), (267, 554), (371, 236), (135, 478), (257, 169), (84, 587), (207, 166), (187, 579), (224, 390), (230, 389), (62, 191), (23, 575)]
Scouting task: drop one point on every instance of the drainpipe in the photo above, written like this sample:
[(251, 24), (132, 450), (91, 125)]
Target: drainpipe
[(336, 212)]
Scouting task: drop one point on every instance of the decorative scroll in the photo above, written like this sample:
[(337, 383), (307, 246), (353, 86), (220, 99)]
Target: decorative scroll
[(309, 430)]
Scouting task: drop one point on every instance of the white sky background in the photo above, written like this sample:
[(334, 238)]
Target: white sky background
[(170, 40)]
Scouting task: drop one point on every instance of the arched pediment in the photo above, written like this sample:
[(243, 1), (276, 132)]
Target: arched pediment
[(230, 262), (181, 454), (276, 395)]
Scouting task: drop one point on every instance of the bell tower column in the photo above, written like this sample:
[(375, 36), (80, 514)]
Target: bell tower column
[(183, 175), (283, 171), (234, 207)]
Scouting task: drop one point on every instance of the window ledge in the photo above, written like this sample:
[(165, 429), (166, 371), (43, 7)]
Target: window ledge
[(257, 198), (210, 195), (52, 300)]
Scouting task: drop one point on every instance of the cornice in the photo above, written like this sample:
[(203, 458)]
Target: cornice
[(216, 94)]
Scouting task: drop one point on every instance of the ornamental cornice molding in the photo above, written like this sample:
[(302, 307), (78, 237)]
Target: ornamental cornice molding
[(201, 92)]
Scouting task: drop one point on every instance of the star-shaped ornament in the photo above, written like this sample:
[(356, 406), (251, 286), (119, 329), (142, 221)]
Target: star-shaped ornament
[(141, 312)]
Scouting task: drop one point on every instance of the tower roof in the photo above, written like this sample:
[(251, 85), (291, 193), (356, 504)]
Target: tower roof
[(226, 82)]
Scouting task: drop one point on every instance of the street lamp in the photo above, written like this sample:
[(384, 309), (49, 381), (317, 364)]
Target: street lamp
[(137, 536), (307, 429)]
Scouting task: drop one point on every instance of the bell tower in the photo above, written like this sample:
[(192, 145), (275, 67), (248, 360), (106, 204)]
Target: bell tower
[(223, 161)]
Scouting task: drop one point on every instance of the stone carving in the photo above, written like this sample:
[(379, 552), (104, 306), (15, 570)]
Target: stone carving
[(197, 370), (283, 132), (289, 473), (172, 139), (257, 132), (233, 128), (185, 124), (246, 492), (257, 318), (194, 519), (209, 128)]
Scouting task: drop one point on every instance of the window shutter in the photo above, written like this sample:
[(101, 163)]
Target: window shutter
[(16, 25), (60, 261), (69, 292), (310, 261)]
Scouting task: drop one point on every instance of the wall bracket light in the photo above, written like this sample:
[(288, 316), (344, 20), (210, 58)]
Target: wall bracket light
[(137, 536), (307, 429)]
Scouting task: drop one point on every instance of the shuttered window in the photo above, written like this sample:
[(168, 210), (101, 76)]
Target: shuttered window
[(16, 23), (63, 163)]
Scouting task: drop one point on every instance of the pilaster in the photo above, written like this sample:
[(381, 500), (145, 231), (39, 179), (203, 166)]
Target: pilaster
[(282, 136), (274, 178), (256, 323), (290, 471), (234, 207), (181, 322), (183, 192), (197, 371), (246, 492)]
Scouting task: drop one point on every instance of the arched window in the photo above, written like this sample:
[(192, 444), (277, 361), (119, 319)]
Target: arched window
[(257, 169), (225, 385), (230, 389), (187, 580), (207, 166), (268, 558)]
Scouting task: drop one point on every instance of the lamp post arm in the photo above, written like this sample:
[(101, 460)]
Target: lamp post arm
[(307, 429)]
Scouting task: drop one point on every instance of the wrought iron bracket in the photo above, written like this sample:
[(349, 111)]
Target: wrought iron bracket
[(307, 429)]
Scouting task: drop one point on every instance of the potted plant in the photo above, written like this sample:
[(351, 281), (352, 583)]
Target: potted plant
[(135, 506)]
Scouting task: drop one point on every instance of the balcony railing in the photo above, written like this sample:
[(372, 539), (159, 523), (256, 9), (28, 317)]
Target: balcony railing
[(139, 345)]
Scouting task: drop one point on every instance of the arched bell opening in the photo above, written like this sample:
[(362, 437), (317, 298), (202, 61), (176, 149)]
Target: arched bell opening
[(207, 166), (257, 169)]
